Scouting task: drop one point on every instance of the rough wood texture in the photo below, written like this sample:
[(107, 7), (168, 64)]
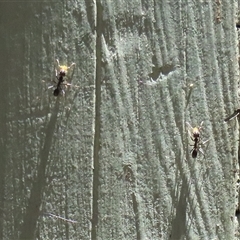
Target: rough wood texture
[(111, 159)]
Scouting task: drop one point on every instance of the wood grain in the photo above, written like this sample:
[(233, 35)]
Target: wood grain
[(116, 149)]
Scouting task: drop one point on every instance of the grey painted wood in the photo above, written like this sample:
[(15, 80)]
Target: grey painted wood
[(111, 159)]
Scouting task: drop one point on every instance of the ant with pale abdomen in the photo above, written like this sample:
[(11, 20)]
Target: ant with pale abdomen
[(196, 138), (60, 77)]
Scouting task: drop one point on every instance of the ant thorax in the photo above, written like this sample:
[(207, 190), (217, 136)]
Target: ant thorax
[(62, 73)]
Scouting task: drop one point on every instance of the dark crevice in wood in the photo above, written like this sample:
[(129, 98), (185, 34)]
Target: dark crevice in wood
[(137, 217), (98, 77)]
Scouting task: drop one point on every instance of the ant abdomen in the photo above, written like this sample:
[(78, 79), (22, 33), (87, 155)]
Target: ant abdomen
[(56, 92), (194, 153)]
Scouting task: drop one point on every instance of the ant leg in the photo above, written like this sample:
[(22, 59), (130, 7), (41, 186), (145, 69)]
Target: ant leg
[(200, 127), (200, 150), (56, 74), (205, 141), (189, 131), (58, 63), (68, 84), (189, 125), (73, 64)]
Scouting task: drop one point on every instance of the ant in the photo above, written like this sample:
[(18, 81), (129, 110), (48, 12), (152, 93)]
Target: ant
[(235, 114), (196, 138), (60, 77)]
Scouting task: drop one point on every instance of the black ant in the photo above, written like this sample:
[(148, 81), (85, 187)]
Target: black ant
[(235, 114), (196, 138), (60, 77)]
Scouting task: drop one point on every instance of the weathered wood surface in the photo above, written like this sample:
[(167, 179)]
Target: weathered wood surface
[(111, 159)]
